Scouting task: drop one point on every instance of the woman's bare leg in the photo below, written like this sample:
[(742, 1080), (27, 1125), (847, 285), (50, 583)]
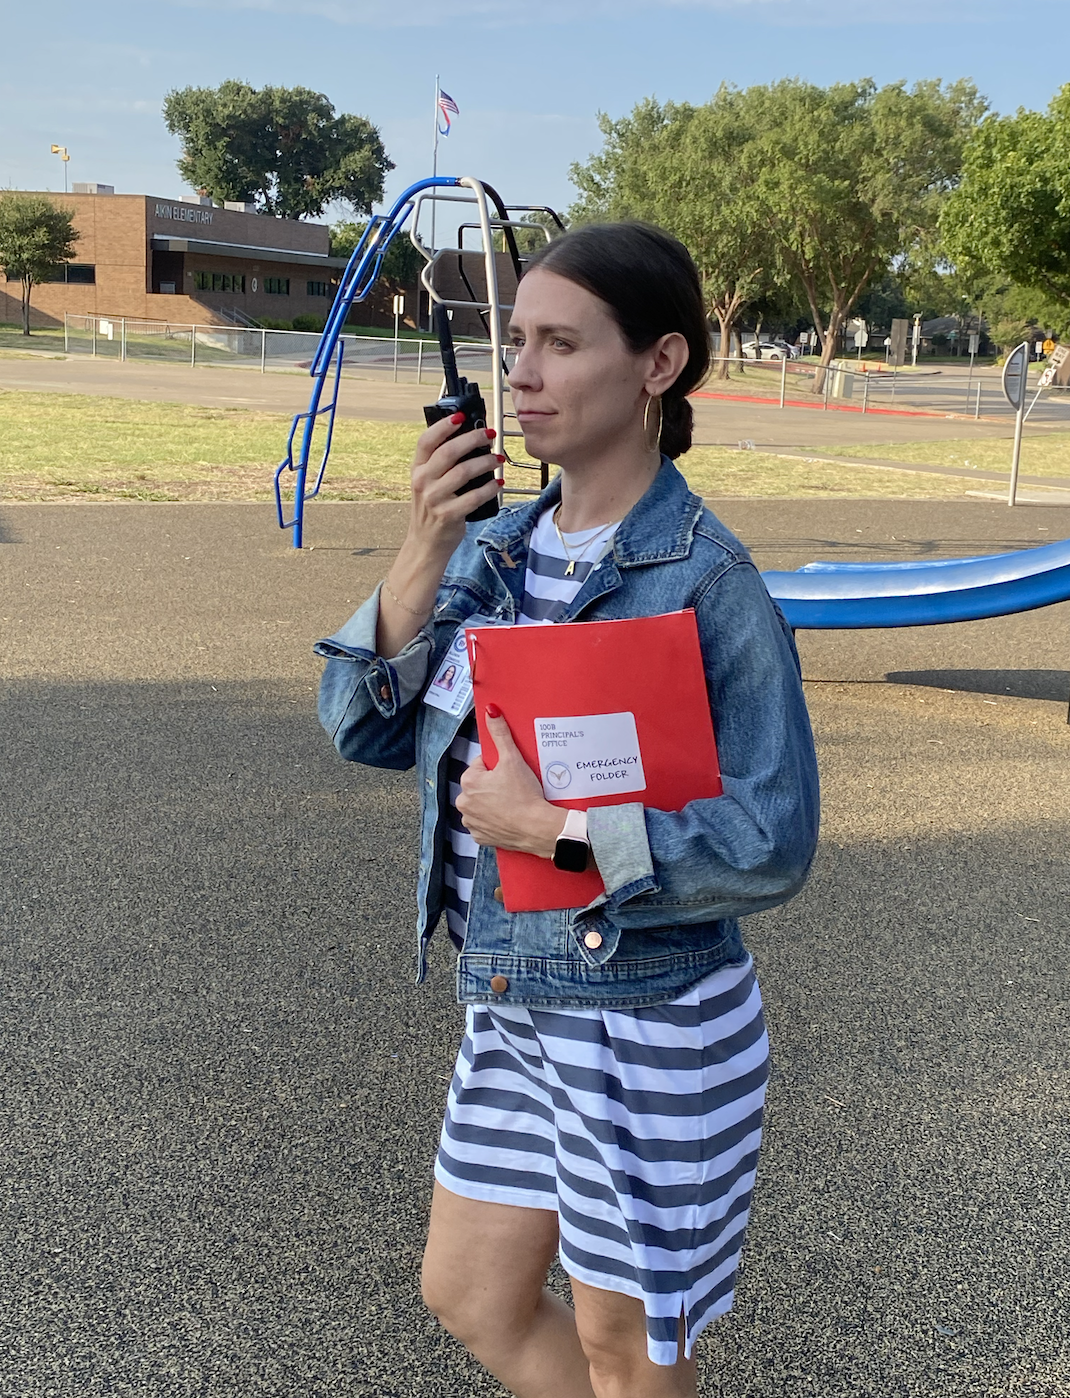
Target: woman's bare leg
[(484, 1277), (612, 1331)]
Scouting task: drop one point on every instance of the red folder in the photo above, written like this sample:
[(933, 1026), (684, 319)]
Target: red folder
[(650, 668)]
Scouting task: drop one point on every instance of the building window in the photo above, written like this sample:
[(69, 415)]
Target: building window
[(77, 273), (277, 286), (319, 288), (218, 281)]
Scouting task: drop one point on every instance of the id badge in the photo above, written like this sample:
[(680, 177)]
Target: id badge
[(451, 688)]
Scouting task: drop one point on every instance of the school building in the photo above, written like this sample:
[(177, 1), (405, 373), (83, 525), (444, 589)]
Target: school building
[(185, 261)]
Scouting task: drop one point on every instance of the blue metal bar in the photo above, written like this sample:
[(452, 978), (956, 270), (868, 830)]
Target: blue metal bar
[(357, 281), (300, 466)]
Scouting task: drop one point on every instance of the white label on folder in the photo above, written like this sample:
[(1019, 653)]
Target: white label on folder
[(590, 755)]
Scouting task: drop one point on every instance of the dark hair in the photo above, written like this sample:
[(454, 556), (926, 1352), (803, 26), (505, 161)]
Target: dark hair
[(649, 282)]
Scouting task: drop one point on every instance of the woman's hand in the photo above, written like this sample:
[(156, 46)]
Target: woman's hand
[(504, 805), (436, 519), (436, 527)]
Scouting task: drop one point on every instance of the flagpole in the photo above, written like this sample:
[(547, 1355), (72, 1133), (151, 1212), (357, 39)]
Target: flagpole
[(434, 157)]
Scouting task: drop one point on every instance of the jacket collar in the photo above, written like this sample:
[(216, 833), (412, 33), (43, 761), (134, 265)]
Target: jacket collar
[(657, 529)]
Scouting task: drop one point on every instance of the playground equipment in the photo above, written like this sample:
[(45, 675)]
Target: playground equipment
[(497, 235), (826, 596)]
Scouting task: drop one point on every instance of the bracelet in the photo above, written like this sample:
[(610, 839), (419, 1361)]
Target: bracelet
[(411, 611)]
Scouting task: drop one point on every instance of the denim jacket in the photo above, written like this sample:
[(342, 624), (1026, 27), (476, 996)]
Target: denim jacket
[(675, 882)]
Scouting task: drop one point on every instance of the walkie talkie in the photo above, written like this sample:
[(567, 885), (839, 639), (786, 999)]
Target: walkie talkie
[(461, 397)]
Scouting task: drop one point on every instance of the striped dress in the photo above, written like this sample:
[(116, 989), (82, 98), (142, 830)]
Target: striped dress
[(640, 1128)]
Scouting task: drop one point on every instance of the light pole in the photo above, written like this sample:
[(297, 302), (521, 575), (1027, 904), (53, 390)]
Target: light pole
[(61, 151)]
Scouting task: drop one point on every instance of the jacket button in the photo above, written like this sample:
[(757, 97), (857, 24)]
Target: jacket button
[(499, 894), (499, 985), (593, 940), (384, 692)]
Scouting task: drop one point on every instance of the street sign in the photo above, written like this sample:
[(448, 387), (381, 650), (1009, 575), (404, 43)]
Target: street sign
[(1015, 386), (1047, 378), (1015, 372), (399, 305), (975, 342), (1049, 345), (862, 337)]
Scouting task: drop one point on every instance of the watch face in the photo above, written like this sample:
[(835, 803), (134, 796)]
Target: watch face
[(571, 855)]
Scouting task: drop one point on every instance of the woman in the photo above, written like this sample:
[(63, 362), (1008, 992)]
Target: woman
[(607, 1101)]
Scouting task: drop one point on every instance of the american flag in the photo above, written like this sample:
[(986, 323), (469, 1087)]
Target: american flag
[(446, 105)]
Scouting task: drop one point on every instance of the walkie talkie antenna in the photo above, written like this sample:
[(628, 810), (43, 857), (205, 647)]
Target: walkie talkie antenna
[(445, 344)]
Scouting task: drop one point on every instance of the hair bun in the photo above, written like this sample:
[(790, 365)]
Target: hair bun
[(677, 425)]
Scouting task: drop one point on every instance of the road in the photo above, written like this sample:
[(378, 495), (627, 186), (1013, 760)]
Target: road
[(718, 422), (221, 1093)]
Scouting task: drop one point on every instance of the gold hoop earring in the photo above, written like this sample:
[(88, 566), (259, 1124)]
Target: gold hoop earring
[(652, 430)]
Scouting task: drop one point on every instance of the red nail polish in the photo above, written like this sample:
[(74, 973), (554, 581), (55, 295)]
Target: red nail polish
[(457, 419), (491, 432), (493, 711), (499, 458)]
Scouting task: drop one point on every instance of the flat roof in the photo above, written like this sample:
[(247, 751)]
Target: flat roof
[(246, 251)]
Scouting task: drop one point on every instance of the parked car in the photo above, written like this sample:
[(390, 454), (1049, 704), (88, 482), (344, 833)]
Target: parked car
[(771, 349)]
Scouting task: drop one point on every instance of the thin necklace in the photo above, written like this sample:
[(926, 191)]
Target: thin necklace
[(583, 548)]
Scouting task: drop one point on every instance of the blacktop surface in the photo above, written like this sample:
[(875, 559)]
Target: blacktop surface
[(717, 421), (221, 1093)]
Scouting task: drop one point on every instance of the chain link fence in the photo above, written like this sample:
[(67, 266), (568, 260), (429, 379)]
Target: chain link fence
[(849, 385), (868, 386), (403, 360)]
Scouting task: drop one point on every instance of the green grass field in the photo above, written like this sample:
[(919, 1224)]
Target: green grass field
[(1047, 455), (70, 446)]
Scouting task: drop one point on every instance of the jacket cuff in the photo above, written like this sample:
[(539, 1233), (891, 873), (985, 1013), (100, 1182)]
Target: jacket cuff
[(621, 849), (403, 675)]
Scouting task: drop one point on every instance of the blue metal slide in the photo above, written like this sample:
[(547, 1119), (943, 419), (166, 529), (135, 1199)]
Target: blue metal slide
[(848, 596)]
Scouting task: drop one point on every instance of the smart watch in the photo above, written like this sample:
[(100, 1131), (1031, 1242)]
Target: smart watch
[(573, 847)]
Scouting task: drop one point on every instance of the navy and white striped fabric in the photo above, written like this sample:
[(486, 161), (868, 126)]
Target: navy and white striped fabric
[(640, 1128), (547, 592)]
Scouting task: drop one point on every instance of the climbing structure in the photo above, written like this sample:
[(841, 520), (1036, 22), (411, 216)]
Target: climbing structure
[(475, 270)]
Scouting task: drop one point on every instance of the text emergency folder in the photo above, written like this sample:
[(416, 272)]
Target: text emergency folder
[(604, 712)]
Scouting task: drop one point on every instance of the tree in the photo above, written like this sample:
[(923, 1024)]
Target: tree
[(672, 165), (850, 178), (1011, 213), (1015, 313), (282, 147), (36, 238), (402, 262)]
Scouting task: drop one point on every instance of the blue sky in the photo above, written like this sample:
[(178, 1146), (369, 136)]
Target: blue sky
[(529, 78)]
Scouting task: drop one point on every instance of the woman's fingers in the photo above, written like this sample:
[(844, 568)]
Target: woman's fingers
[(438, 473), (432, 437), (441, 447), (440, 498)]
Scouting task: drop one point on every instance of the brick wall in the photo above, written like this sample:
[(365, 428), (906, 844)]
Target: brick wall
[(114, 233)]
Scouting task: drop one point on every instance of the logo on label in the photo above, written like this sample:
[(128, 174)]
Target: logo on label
[(559, 775)]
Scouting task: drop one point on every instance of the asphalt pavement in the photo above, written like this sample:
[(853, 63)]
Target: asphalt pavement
[(718, 421), (221, 1093)]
